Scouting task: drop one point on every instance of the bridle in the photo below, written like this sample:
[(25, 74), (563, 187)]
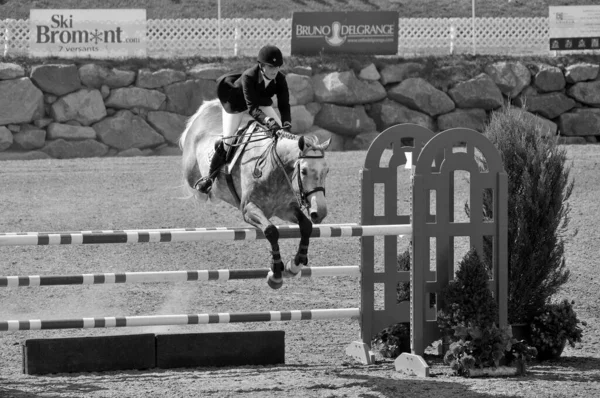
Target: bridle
[(301, 194)]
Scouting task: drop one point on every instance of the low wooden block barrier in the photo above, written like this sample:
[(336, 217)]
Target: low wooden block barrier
[(89, 354), (220, 349), (148, 350)]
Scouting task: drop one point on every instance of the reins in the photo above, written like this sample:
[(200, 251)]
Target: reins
[(241, 142)]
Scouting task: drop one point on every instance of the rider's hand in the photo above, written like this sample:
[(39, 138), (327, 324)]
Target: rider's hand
[(272, 125), (287, 126)]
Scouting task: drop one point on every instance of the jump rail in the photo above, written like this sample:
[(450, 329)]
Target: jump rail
[(183, 319), (167, 276), (194, 234)]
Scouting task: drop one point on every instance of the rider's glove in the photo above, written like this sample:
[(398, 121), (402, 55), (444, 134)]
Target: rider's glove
[(287, 126), (272, 125)]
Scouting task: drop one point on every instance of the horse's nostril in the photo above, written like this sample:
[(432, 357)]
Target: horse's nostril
[(314, 217)]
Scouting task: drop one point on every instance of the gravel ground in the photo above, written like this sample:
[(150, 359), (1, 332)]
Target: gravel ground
[(88, 194)]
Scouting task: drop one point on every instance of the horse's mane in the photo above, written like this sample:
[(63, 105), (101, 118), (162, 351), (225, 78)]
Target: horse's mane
[(209, 115), (289, 136)]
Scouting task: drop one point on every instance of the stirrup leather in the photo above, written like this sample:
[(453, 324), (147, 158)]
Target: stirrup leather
[(218, 160)]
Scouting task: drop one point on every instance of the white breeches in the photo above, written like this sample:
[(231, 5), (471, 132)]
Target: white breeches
[(231, 121)]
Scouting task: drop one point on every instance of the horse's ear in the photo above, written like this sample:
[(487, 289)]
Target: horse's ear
[(301, 143), (325, 145)]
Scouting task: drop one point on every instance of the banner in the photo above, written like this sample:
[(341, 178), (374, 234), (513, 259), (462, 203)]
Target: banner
[(90, 33), (355, 32), (574, 28)]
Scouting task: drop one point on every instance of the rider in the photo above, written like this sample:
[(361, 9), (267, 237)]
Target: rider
[(250, 92)]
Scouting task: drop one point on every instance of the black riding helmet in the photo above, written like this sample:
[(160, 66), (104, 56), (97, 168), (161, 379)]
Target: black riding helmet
[(270, 55)]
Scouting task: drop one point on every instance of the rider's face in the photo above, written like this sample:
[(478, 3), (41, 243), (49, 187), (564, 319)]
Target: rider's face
[(270, 71)]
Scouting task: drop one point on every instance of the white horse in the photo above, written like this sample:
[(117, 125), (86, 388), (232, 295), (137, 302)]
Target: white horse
[(271, 177)]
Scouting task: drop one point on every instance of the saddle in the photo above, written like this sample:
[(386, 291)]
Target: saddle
[(237, 144)]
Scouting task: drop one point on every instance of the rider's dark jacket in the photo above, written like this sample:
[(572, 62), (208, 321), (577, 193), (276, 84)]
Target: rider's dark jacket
[(246, 91)]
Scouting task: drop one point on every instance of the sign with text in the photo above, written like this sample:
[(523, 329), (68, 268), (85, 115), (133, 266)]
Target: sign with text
[(574, 28), (369, 32), (90, 33)]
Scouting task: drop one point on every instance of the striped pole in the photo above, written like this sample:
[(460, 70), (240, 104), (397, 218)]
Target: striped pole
[(189, 319), (167, 276), (195, 234)]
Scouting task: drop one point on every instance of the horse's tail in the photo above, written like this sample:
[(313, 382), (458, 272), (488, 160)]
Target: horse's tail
[(207, 119), (206, 109)]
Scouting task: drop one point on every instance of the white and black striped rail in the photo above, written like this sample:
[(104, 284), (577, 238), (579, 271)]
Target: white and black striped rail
[(185, 319), (166, 276), (194, 234)]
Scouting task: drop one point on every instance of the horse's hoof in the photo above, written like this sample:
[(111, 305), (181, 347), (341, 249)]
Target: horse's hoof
[(291, 269), (274, 283)]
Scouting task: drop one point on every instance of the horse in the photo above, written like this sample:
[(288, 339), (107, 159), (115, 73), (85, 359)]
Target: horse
[(278, 176)]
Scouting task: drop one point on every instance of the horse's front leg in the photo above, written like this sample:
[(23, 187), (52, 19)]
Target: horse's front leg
[(301, 258), (254, 215)]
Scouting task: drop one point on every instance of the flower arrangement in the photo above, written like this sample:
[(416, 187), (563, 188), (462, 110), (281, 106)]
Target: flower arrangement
[(485, 347), (393, 340), (556, 325), (520, 351)]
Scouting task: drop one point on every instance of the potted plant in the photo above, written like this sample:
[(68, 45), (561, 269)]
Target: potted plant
[(555, 326)]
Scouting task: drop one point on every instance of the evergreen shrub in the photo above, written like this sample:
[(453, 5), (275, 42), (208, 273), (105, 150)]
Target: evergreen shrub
[(467, 300), (538, 210)]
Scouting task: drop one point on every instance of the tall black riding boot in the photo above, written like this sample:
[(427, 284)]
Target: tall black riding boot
[(218, 160)]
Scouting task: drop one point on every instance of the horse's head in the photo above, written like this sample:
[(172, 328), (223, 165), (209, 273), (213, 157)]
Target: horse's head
[(312, 171)]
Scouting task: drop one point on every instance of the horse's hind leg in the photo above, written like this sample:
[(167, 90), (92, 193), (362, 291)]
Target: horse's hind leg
[(253, 215), (301, 258)]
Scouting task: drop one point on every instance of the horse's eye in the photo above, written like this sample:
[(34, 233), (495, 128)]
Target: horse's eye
[(304, 172)]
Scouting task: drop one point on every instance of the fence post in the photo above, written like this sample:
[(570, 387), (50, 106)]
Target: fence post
[(237, 37), (219, 26), (473, 27), (6, 39), (452, 37)]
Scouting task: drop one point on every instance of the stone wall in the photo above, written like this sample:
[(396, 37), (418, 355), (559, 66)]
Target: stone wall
[(67, 110)]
